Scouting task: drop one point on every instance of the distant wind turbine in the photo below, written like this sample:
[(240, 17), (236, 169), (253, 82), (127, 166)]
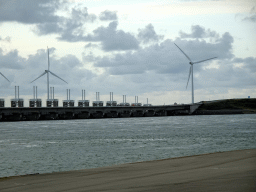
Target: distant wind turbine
[(47, 72), (191, 71), (4, 76)]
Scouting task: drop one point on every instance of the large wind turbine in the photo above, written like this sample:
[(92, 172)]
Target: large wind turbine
[(47, 72), (4, 76), (191, 71)]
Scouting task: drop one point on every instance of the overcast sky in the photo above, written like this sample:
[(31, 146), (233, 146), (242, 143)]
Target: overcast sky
[(127, 47)]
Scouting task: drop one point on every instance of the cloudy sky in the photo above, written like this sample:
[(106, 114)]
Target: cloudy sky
[(127, 47)]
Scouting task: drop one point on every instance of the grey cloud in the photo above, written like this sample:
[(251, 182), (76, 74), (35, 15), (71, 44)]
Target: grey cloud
[(72, 69), (252, 16), (43, 13), (108, 15), (89, 57), (163, 66), (69, 68), (70, 61), (148, 34), (29, 11), (154, 58), (70, 29), (225, 43), (48, 28), (249, 63), (6, 39), (227, 75), (11, 60), (111, 38), (165, 58), (198, 50), (91, 45), (199, 32), (67, 28), (22, 71)]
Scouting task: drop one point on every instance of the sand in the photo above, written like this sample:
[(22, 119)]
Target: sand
[(223, 171)]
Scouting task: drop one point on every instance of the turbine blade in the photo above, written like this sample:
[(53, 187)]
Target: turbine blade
[(184, 53), (39, 76), (48, 59), (189, 75), (58, 77), (204, 60), (4, 76)]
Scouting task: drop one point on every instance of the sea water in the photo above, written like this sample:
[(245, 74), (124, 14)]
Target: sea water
[(29, 147)]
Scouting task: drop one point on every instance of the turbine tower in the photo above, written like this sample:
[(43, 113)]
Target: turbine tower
[(47, 72), (191, 70), (4, 76), (2, 100)]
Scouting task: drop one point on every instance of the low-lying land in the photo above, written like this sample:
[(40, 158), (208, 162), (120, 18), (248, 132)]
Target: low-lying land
[(227, 106)]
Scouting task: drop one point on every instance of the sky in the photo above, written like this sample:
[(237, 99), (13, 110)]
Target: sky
[(128, 48)]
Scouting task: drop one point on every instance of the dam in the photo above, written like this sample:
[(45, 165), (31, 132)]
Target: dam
[(86, 112)]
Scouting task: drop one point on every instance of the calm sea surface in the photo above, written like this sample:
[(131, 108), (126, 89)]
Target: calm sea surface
[(53, 146)]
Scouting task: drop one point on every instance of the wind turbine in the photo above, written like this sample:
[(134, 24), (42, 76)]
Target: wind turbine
[(2, 100), (47, 72), (191, 71), (4, 76)]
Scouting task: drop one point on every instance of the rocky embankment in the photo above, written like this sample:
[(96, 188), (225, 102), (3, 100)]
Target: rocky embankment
[(227, 106)]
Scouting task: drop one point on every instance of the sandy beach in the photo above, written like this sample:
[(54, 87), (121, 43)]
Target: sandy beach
[(223, 171)]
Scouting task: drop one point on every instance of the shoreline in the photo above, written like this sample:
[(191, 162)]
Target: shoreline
[(220, 171)]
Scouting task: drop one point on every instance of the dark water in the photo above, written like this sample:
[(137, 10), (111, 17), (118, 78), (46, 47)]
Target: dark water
[(53, 146)]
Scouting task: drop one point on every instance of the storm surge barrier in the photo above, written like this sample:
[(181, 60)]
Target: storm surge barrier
[(55, 113)]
